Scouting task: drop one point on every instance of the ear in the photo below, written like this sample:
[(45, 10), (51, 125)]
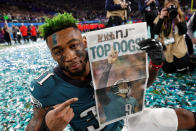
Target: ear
[(84, 41)]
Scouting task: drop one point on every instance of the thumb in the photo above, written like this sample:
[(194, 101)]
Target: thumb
[(65, 104)]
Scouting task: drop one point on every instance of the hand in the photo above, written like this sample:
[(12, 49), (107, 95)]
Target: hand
[(154, 49), (177, 19), (113, 56), (150, 1), (57, 119), (194, 40), (123, 5), (164, 13)]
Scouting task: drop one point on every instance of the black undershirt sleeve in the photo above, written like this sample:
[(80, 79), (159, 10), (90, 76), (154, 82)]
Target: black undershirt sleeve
[(101, 92), (182, 28), (104, 77), (157, 27)]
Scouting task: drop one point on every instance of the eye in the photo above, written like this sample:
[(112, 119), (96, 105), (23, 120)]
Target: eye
[(75, 46), (58, 52)]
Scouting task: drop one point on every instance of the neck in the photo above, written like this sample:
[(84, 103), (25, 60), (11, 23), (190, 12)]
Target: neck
[(81, 77)]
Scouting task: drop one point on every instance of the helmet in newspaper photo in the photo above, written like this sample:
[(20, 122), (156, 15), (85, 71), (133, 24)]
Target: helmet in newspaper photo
[(121, 88)]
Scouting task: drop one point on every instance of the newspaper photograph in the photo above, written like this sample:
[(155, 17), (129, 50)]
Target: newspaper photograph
[(119, 70), (122, 99)]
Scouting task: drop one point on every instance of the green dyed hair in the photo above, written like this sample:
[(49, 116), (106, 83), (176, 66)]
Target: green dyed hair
[(57, 23)]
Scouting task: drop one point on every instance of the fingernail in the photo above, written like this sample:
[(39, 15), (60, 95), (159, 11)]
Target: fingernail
[(76, 99)]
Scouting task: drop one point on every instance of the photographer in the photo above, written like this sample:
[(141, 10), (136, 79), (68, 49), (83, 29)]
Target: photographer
[(170, 25), (116, 12), (150, 9)]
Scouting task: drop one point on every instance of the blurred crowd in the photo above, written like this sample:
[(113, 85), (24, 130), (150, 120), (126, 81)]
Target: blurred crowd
[(31, 11), (16, 34)]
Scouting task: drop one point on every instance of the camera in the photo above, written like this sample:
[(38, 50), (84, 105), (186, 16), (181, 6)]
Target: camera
[(173, 11)]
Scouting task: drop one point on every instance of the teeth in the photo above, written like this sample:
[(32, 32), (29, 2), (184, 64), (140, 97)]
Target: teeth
[(123, 90)]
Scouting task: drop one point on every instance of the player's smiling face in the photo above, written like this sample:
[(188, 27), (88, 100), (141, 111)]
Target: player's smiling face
[(67, 49)]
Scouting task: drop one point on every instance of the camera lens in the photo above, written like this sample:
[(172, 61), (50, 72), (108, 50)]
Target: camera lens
[(173, 12)]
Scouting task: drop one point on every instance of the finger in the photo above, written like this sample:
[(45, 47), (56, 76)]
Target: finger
[(70, 111), (145, 47), (112, 50), (164, 9), (152, 49), (68, 108), (56, 106), (69, 115), (66, 103), (144, 43)]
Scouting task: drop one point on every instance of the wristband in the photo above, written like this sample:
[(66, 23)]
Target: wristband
[(156, 67)]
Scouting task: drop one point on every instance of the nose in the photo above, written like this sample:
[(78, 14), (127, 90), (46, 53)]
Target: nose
[(69, 55)]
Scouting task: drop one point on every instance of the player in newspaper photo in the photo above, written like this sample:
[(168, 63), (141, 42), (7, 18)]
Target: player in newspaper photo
[(119, 100), (118, 96)]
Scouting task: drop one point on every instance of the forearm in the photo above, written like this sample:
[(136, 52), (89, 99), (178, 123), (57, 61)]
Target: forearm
[(104, 78), (35, 122), (186, 119), (182, 28), (33, 125), (152, 75), (157, 27)]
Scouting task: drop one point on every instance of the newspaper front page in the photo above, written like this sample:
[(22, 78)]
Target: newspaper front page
[(119, 71)]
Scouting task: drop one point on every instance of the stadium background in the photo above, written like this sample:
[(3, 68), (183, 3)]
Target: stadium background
[(19, 64)]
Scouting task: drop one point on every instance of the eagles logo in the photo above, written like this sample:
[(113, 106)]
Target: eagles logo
[(121, 88)]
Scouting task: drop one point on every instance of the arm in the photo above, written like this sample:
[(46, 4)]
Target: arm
[(152, 76), (55, 120), (58, 118), (155, 52), (190, 26), (102, 95), (182, 28), (186, 119), (35, 122), (149, 2), (104, 77), (110, 6), (112, 57), (143, 5), (157, 26)]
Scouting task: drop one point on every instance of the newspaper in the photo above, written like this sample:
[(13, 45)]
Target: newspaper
[(119, 71)]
